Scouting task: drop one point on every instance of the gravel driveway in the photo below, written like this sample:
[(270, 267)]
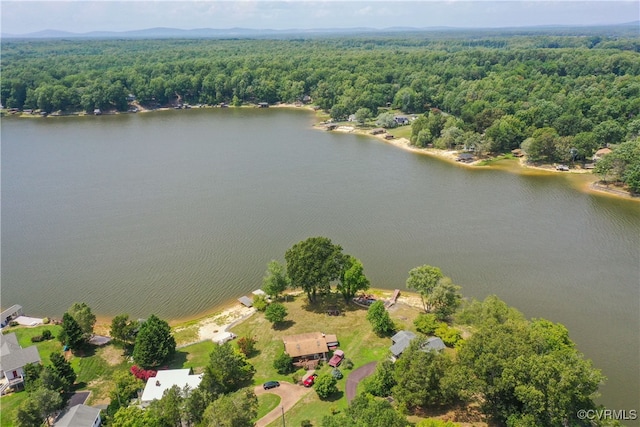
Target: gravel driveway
[(289, 396), (356, 376)]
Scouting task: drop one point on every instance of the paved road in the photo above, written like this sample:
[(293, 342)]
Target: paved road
[(289, 396), (356, 376)]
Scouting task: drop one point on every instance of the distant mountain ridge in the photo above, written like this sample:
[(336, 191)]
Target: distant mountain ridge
[(165, 32)]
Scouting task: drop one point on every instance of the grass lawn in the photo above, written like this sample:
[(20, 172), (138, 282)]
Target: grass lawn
[(194, 356), (266, 403), (354, 333), (45, 348), (9, 405)]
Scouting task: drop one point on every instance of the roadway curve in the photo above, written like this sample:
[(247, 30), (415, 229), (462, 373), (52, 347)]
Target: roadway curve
[(356, 376)]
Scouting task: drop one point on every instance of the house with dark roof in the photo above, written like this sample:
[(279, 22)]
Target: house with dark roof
[(13, 359), (402, 340), (80, 416)]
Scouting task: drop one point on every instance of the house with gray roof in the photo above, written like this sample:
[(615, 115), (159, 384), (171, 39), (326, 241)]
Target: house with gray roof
[(402, 340), (80, 416), (13, 359)]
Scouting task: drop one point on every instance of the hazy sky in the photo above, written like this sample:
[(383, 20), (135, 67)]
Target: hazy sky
[(25, 16)]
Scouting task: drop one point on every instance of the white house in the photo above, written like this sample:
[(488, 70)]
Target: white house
[(164, 380), (80, 416), (13, 359)]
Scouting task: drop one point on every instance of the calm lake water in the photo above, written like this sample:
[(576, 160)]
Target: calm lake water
[(178, 212)]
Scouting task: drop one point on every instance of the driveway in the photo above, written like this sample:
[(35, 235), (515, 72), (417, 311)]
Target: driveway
[(356, 376), (289, 396)]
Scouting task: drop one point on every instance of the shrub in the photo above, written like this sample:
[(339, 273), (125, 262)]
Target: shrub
[(325, 386), (46, 321), (47, 335), (347, 364), (260, 302), (283, 364), (13, 323), (335, 373), (306, 423), (142, 374), (426, 323), (450, 336), (36, 338), (247, 345)]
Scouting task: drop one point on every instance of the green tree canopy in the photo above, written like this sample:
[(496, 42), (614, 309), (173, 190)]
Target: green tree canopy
[(379, 318), (275, 280), (353, 279), (325, 385), (424, 279), (154, 343), (71, 335), (81, 312), (313, 263), (123, 329), (226, 371), (233, 410), (275, 313), (365, 410)]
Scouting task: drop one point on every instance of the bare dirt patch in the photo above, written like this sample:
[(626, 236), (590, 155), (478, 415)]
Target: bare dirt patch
[(112, 355)]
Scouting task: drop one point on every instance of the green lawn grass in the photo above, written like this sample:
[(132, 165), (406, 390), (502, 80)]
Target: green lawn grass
[(266, 403), (45, 348), (9, 406)]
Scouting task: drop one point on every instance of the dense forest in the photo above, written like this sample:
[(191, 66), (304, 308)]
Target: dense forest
[(559, 97)]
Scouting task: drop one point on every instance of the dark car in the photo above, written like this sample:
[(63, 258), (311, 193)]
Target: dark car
[(270, 384), (310, 380)]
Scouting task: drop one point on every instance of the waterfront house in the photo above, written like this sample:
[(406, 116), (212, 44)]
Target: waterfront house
[(263, 105), (80, 416), (401, 120), (13, 359), (164, 380), (310, 346), (598, 155), (400, 342)]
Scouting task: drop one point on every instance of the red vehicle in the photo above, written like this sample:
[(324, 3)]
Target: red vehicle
[(336, 360), (310, 380)]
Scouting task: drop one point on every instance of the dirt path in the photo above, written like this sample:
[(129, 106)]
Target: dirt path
[(289, 396), (356, 376)]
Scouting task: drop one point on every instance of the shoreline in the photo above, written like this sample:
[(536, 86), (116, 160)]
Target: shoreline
[(594, 186)]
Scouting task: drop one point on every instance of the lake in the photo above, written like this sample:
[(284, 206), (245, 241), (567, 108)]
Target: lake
[(178, 212)]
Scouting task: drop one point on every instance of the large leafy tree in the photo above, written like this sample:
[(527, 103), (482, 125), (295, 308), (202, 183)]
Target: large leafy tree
[(325, 385), (445, 298), (275, 313), (366, 410), (379, 318), (424, 279), (275, 280), (126, 388), (353, 279), (313, 263), (39, 406), (123, 329), (154, 343), (233, 410), (226, 371), (418, 376), (71, 335), (85, 318)]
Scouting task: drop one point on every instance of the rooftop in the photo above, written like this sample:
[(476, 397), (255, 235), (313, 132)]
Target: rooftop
[(309, 343), (166, 379)]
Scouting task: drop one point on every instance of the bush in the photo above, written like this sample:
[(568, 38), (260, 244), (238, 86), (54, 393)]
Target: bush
[(347, 364), (260, 302), (142, 374), (37, 338), (46, 321), (450, 336), (306, 423), (247, 345), (335, 373), (47, 335), (13, 323), (283, 364), (426, 323), (325, 386)]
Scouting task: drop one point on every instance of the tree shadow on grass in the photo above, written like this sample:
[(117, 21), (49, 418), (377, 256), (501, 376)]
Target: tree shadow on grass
[(331, 304), (178, 359), (281, 326), (334, 397)]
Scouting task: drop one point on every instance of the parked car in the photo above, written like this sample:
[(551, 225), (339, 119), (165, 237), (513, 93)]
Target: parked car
[(270, 384), (336, 360), (310, 380)]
